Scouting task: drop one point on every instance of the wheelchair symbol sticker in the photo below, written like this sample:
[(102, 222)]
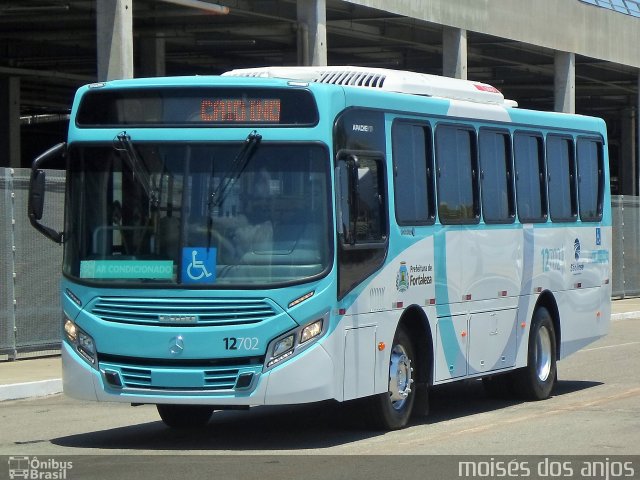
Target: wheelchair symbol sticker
[(198, 265)]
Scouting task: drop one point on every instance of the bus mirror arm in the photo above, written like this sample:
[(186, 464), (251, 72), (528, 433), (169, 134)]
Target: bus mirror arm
[(35, 206)]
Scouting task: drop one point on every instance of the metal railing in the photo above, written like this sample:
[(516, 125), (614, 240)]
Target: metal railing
[(29, 267), (628, 7), (625, 252)]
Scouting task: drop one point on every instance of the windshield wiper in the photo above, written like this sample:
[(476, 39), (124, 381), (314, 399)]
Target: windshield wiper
[(237, 167), (122, 143), (217, 196)]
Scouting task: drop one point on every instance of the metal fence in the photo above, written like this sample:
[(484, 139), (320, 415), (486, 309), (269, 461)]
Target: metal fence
[(626, 246), (29, 267), (30, 264)]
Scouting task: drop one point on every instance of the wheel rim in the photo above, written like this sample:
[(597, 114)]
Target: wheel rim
[(543, 354), (400, 377)]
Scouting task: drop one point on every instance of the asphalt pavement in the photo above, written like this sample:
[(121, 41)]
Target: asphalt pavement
[(38, 377)]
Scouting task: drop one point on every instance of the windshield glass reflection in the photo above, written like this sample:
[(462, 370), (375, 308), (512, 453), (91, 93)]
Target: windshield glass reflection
[(153, 213)]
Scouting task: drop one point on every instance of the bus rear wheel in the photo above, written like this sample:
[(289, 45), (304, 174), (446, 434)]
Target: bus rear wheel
[(537, 379), (391, 410), (185, 416)]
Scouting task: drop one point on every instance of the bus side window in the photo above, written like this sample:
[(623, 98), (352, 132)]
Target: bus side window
[(561, 165), (590, 179), (362, 216), (531, 185), (369, 219), (496, 176), (413, 173), (457, 175), (361, 200)]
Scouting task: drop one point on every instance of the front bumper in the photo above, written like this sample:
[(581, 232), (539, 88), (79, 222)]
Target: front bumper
[(307, 377)]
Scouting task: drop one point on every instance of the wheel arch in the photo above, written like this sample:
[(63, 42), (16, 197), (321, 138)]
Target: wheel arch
[(415, 320), (548, 300)]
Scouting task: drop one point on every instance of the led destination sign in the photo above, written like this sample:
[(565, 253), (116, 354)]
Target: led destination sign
[(257, 110), (171, 106)]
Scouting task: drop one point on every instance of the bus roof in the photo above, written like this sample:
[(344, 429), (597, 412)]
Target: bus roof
[(385, 79)]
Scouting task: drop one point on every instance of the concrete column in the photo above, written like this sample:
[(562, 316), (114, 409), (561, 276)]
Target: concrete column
[(152, 57), (10, 122), (628, 168), (636, 143), (565, 82), (454, 53), (115, 39), (312, 32)]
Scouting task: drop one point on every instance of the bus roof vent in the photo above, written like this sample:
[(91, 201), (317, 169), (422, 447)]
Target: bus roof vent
[(353, 78), (385, 79)]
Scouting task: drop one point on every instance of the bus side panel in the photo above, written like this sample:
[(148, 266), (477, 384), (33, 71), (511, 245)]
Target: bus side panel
[(375, 307), (479, 277), (488, 262), (492, 341), (451, 348), (359, 362), (585, 306)]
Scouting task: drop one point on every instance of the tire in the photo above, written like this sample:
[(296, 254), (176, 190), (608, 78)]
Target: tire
[(537, 379), (185, 416), (391, 410)]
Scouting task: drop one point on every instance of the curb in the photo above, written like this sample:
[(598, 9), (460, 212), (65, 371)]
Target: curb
[(624, 316), (41, 388)]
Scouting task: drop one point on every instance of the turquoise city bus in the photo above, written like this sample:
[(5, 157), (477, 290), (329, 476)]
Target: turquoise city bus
[(292, 235)]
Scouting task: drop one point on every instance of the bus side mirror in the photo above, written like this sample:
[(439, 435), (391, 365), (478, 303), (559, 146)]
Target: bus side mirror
[(36, 194), (35, 206)]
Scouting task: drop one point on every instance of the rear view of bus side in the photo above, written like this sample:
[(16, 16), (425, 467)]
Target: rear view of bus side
[(411, 231)]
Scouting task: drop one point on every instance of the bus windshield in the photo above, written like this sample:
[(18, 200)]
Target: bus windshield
[(196, 214)]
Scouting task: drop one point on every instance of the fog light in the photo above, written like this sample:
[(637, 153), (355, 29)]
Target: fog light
[(113, 378), (244, 380), (310, 331), (283, 345)]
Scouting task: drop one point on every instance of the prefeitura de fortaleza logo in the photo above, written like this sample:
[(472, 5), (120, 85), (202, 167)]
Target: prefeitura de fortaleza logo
[(402, 278)]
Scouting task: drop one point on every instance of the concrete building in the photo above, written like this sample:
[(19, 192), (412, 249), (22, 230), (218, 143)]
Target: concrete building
[(578, 56)]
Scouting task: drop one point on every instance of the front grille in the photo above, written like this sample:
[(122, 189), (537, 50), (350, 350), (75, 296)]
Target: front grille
[(183, 311), (217, 379), (136, 377), (221, 379)]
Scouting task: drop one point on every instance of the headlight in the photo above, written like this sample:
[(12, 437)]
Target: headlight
[(282, 345), (311, 331), (295, 341), (70, 330), (86, 346), (81, 340)]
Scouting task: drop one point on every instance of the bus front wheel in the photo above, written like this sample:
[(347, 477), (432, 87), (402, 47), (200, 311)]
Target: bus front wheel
[(536, 380), (391, 410), (185, 416)]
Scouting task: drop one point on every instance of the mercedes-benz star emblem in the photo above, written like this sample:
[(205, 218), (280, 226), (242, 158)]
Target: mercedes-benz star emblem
[(176, 345)]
